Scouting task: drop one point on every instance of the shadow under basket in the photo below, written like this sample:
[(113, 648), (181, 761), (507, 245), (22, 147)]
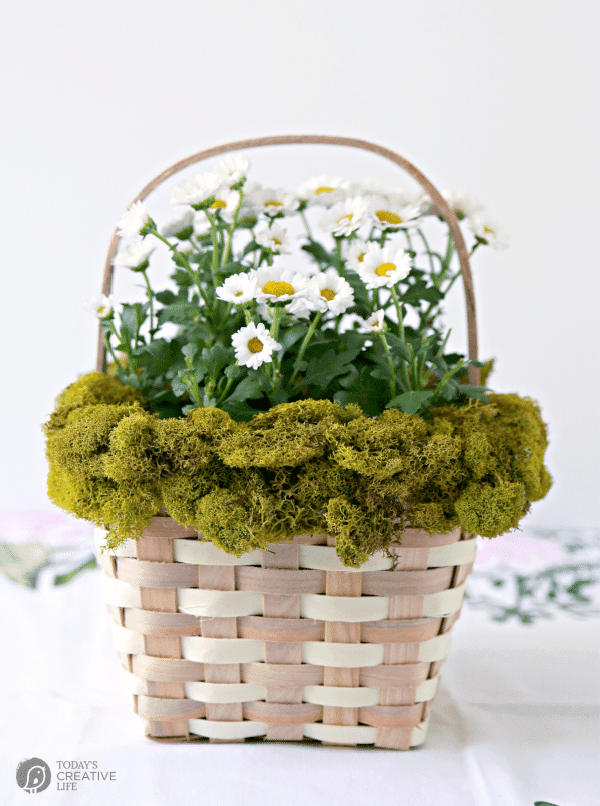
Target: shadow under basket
[(286, 644)]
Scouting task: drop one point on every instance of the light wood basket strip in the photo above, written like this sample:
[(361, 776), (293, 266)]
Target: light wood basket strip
[(221, 578), (281, 605), (153, 551), (339, 583)]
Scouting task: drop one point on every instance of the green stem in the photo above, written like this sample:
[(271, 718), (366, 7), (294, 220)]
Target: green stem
[(184, 262), (446, 377), (231, 231), (409, 241), (215, 245), (228, 386), (338, 254), (151, 301), (192, 382), (401, 333), (306, 227), (112, 352), (304, 345), (427, 249), (386, 347)]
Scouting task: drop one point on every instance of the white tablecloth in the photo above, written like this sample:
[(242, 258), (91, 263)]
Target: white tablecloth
[(515, 720)]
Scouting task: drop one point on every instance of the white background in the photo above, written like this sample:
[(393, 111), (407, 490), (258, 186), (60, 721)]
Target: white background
[(497, 99)]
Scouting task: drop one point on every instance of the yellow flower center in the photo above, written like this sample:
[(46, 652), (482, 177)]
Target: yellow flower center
[(327, 293), (385, 269), (278, 289), (388, 217), (273, 203), (361, 257), (218, 204), (239, 294), (488, 230), (101, 309), (276, 241), (255, 345), (347, 217), (324, 190)]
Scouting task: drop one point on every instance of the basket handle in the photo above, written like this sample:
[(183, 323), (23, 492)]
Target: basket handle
[(319, 139)]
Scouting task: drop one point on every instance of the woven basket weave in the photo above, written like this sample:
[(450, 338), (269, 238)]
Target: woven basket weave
[(286, 644)]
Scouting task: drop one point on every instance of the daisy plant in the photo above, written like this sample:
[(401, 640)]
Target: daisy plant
[(332, 292)]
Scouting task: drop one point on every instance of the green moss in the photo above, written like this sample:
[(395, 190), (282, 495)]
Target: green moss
[(359, 530), (91, 389), (303, 468), (228, 521), (286, 435), (488, 510)]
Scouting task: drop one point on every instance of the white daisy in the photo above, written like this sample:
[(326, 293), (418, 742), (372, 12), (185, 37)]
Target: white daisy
[(231, 169), (101, 305), (274, 238), (390, 211), (278, 285), (345, 217), (238, 288), (226, 202), (488, 232), (375, 323), (323, 190), (329, 291), (201, 223), (299, 307), (196, 190), (462, 204), (365, 189), (133, 219), (177, 225), (134, 255), (253, 345), (357, 251), (384, 267), (271, 201)]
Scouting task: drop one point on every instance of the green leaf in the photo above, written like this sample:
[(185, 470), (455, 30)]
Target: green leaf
[(128, 318), (320, 254), (180, 313), (166, 297), (398, 346), (477, 392), (321, 371), (189, 351), (215, 358), (182, 278), (291, 335), (410, 402), (248, 388)]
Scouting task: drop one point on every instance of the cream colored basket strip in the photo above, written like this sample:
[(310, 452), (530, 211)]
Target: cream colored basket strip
[(207, 603), (316, 558), (333, 734)]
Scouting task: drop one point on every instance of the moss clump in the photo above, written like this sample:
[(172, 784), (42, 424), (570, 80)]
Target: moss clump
[(230, 523), (488, 511), (300, 468), (286, 435), (90, 389)]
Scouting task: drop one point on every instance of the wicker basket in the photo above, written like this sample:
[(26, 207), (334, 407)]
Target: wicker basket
[(286, 644)]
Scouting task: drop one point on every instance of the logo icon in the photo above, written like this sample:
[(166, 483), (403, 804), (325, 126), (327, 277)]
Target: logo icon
[(33, 775)]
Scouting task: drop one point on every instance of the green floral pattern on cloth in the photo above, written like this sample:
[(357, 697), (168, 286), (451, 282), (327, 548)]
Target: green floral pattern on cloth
[(546, 572)]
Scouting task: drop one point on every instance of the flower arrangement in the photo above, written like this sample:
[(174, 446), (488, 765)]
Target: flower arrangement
[(273, 392)]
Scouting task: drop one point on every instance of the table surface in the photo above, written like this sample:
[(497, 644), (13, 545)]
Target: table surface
[(515, 720)]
